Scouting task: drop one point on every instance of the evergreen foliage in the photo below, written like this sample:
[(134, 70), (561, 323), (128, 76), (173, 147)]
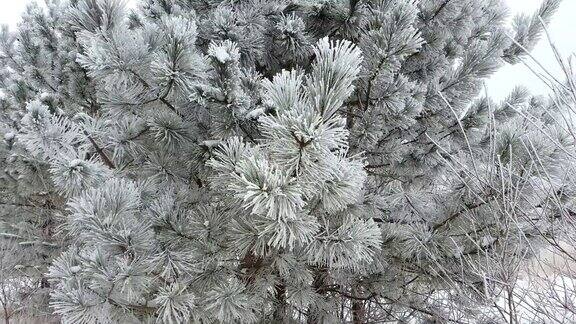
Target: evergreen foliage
[(274, 161)]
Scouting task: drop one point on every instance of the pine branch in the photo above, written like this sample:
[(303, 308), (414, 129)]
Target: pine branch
[(161, 97), (46, 205), (100, 152)]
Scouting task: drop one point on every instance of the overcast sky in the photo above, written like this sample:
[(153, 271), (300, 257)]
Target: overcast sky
[(562, 30)]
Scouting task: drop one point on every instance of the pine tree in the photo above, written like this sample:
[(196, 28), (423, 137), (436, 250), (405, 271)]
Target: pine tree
[(275, 161)]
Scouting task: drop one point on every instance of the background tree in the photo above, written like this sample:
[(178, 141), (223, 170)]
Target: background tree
[(309, 161)]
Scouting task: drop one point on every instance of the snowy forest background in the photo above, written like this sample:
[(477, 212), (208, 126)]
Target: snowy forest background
[(285, 161)]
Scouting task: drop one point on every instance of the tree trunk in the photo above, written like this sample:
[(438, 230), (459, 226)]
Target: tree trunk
[(358, 308), (358, 312), (280, 311), (6, 314), (318, 286)]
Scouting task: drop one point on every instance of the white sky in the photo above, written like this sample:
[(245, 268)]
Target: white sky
[(562, 30)]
